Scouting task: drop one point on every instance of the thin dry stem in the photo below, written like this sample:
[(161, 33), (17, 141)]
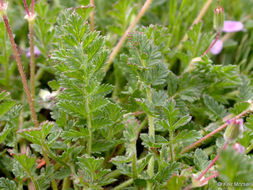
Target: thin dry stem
[(196, 21), (124, 37), (199, 142), (92, 16), (21, 71)]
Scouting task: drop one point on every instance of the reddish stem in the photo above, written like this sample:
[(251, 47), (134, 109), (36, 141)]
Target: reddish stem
[(208, 167), (26, 7), (210, 177), (212, 44), (199, 142), (21, 71), (1, 3), (212, 163), (32, 7)]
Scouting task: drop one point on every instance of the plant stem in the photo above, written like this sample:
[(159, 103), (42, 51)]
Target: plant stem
[(32, 61), (134, 165), (32, 7), (30, 18), (54, 184), (89, 126), (66, 183), (21, 71), (171, 147), (117, 84), (22, 143), (210, 177), (36, 185), (212, 163), (113, 174), (26, 8), (212, 44), (249, 149), (51, 155), (124, 37), (6, 63), (92, 16), (199, 142), (123, 185), (151, 134), (39, 74)]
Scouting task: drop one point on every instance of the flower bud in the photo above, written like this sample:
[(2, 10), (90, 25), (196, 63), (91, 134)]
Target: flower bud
[(3, 8), (239, 148), (218, 19), (234, 130)]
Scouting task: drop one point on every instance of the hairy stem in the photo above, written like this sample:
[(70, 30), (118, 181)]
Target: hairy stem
[(52, 156), (212, 163), (32, 7), (216, 174), (113, 174), (26, 8), (92, 16), (66, 183), (6, 63), (36, 185), (199, 142), (151, 134), (123, 185), (32, 60), (124, 37), (212, 44), (21, 71), (134, 164), (54, 184), (22, 143), (171, 147), (89, 126)]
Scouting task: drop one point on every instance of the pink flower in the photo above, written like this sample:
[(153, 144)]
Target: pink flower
[(216, 49), (36, 52), (232, 26), (229, 26), (239, 148)]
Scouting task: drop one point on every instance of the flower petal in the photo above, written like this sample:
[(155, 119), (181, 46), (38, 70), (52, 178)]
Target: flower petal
[(36, 52), (232, 26), (239, 148), (216, 49)]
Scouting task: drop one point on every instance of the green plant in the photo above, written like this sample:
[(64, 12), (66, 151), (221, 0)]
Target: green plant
[(125, 95)]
